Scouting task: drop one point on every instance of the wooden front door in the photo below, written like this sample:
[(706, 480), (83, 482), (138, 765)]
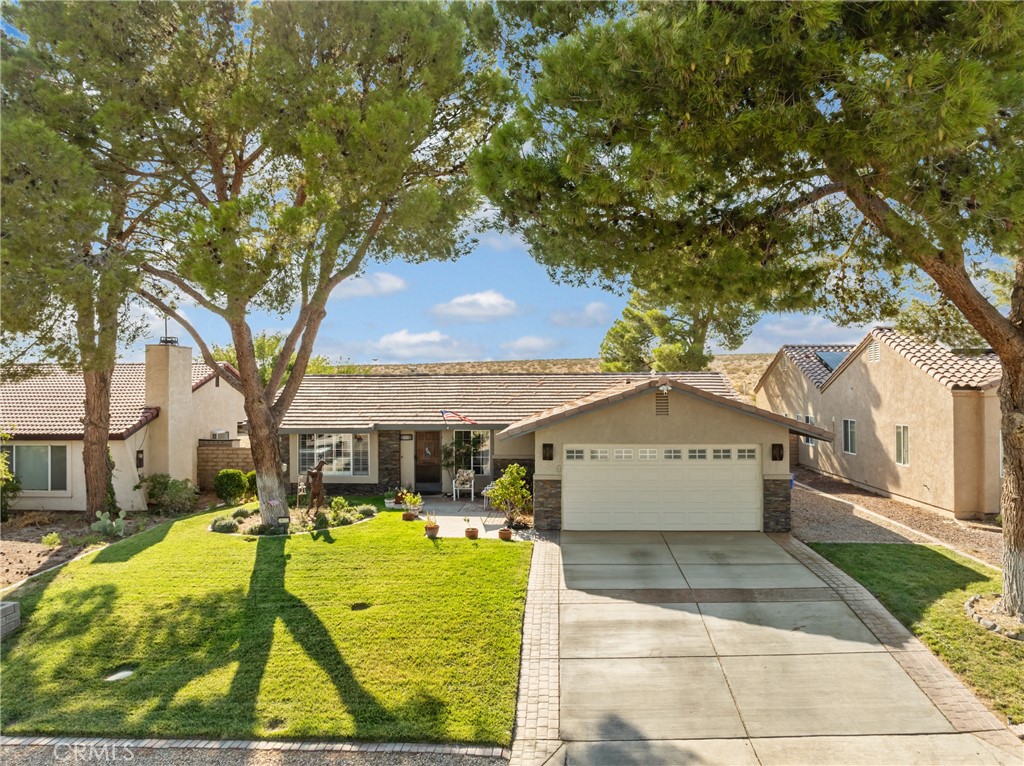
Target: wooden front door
[(428, 457)]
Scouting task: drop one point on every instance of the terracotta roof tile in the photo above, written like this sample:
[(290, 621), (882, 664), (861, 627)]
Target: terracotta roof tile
[(349, 402), (953, 370), (51, 404)]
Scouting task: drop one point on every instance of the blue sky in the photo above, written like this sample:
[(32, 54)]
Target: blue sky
[(495, 303)]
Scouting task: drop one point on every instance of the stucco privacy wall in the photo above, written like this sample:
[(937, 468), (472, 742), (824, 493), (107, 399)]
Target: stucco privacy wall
[(633, 421)]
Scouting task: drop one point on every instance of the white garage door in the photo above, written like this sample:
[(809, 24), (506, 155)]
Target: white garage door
[(665, 487)]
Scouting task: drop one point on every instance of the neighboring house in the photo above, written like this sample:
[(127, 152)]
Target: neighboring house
[(159, 412), (912, 420), (606, 451)]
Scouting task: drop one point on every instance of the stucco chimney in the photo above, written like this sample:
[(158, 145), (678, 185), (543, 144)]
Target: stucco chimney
[(169, 446)]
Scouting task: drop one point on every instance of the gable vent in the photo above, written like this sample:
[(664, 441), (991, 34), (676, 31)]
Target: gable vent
[(661, 403), (873, 352)]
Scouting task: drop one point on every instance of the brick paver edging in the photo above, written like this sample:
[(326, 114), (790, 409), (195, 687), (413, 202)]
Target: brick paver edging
[(261, 744), (954, 700), (536, 737)]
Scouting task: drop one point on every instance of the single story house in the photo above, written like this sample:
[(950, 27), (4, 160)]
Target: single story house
[(605, 451), (912, 419), (159, 412)]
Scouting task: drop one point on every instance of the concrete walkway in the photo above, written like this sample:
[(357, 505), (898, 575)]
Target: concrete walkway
[(733, 648)]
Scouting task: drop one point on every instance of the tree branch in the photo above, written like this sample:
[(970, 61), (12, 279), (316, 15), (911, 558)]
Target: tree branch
[(185, 287), (203, 348), (808, 198)]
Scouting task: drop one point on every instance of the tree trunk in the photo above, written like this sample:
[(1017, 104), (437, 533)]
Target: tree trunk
[(1011, 399), (94, 447), (266, 458)]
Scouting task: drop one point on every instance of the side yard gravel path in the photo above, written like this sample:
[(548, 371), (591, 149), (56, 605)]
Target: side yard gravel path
[(46, 756), (833, 520)]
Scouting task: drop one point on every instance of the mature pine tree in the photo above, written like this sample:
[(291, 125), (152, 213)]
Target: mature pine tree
[(874, 141)]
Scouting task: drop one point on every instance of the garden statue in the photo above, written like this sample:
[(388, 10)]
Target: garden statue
[(315, 480)]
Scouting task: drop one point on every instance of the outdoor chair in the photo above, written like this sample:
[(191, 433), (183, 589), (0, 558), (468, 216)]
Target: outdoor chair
[(464, 482)]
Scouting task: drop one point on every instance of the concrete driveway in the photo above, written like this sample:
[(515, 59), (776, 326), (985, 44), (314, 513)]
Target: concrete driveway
[(678, 648)]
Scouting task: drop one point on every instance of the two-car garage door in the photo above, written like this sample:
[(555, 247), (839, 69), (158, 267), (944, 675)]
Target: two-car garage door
[(663, 487)]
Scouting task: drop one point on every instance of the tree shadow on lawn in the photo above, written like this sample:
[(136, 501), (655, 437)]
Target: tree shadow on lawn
[(124, 550), (907, 579)]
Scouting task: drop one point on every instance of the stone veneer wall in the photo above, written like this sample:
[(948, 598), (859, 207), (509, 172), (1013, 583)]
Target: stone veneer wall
[(213, 456), (777, 504), (499, 464), (547, 504), (389, 469)]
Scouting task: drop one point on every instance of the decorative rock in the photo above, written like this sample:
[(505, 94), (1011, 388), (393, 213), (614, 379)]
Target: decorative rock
[(10, 617), (987, 623)]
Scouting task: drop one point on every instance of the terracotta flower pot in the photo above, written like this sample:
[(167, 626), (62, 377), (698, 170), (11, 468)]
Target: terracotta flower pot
[(505, 534), (431, 530), (408, 515), (472, 533)]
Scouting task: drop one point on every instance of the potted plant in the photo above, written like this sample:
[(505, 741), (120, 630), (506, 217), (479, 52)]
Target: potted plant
[(509, 494), (431, 528), (412, 501), (471, 532), (390, 498)]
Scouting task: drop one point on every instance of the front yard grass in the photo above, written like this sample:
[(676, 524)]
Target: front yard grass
[(925, 588), (233, 638)]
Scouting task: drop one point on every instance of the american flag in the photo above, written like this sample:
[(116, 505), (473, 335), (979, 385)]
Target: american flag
[(449, 413)]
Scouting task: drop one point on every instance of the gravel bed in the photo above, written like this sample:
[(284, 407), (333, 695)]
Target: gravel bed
[(818, 519), (46, 756), (985, 545)]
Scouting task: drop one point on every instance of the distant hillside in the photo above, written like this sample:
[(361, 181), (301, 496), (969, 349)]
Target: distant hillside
[(742, 370)]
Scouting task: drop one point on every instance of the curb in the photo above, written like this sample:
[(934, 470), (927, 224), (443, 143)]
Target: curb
[(99, 744)]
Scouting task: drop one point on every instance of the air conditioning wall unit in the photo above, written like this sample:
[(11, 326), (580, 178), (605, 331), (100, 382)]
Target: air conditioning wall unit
[(221, 435)]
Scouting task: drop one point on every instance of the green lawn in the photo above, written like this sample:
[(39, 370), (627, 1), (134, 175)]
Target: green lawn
[(925, 588), (237, 639)]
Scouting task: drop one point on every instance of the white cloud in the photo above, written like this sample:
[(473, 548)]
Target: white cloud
[(529, 346), (372, 285), (593, 314), (503, 243), (485, 306), (778, 330), (405, 346)]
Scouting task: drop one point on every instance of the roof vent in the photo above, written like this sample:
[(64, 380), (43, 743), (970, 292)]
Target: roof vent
[(661, 403), (873, 353)]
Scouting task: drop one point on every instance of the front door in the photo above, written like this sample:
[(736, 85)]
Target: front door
[(428, 461)]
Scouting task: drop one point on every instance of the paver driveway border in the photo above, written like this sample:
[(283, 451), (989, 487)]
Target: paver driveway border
[(537, 713)]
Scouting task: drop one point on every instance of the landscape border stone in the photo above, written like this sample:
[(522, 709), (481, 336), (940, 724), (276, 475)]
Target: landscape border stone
[(987, 623)]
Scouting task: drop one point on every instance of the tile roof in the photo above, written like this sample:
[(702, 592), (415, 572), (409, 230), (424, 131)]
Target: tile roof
[(624, 390), (51, 404), (348, 402), (953, 370), (807, 361)]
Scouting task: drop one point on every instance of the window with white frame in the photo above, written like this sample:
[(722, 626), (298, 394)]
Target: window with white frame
[(809, 420), (39, 467), (746, 453), (574, 454), (902, 445), (673, 454), (722, 453), (647, 454), (343, 454), (598, 454), (623, 454), (849, 436), (697, 454), (482, 454)]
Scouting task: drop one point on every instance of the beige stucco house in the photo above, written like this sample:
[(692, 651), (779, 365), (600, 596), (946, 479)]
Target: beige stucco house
[(605, 451), (160, 410), (911, 419)]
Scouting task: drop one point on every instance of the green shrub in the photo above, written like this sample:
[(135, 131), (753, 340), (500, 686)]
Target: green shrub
[(230, 485), (266, 529), (321, 520), (169, 497), (509, 493), (242, 513), (343, 519), (338, 503), (250, 484), (367, 511), (224, 524), (52, 540), (108, 527)]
